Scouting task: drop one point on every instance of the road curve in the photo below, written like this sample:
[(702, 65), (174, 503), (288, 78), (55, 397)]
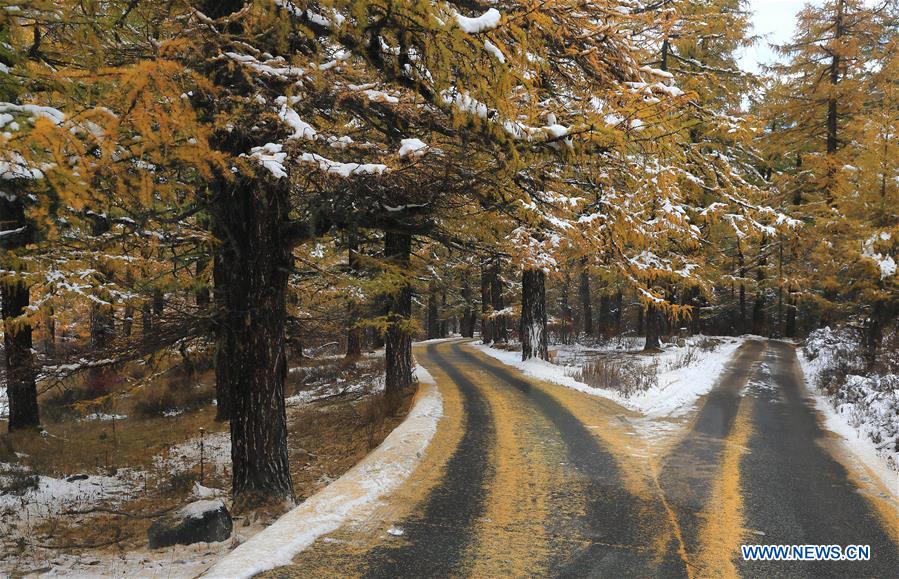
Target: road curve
[(530, 479)]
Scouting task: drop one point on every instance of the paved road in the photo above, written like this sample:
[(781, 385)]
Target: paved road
[(530, 479)]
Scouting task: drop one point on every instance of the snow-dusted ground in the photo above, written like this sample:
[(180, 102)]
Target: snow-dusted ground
[(353, 496), (864, 407), (677, 389), (55, 496)]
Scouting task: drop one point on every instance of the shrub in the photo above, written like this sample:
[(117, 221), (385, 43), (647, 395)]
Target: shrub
[(627, 377)]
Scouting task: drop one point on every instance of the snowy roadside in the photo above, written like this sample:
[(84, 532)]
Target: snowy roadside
[(353, 496), (677, 390), (863, 409)]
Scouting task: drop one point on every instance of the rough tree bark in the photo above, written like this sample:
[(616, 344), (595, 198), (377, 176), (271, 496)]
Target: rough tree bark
[(533, 315), (20, 370), (251, 288), (397, 249), (221, 273)]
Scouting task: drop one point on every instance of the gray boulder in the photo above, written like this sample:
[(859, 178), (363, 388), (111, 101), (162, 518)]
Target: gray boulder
[(199, 521)]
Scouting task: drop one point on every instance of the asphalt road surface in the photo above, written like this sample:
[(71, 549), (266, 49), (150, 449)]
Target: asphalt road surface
[(525, 478)]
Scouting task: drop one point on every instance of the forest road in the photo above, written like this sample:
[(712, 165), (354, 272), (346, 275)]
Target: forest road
[(525, 478)]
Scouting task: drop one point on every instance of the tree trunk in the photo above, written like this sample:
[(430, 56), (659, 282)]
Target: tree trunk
[(619, 311), (50, 334), (742, 327), (533, 315), (433, 322), (21, 386), (397, 249), (20, 372), (486, 321), (221, 274), (443, 322), (201, 296), (102, 324), (605, 307), (251, 290), (586, 299), (354, 335), (496, 297), (467, 326), (565, 306), (758, 307), (790, 329), (652, 328)]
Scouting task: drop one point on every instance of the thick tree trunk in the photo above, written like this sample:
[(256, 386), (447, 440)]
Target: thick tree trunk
[(20, 371), (221, 274), (652, 327), (486, 321), (251, 291), (586, 299), (397, 249), (533, 315), (21, 387)]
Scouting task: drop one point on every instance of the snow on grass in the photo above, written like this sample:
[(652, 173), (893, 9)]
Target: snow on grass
[(353, 496), (677, 390)]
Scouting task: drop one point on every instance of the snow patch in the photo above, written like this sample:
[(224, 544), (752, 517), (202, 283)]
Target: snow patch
[(486, 21)]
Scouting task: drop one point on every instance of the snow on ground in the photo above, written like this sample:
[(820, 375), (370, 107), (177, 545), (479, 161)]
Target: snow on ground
[(862, 407), (353, 496), (19, 513), (677, 390)]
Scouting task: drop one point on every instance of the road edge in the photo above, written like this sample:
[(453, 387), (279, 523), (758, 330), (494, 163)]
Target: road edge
[(353, 496)]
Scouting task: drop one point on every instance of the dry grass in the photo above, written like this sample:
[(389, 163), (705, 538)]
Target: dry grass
[(626, 376)]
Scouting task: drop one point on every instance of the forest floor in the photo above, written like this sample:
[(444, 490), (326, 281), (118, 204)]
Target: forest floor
[(80, 498)]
